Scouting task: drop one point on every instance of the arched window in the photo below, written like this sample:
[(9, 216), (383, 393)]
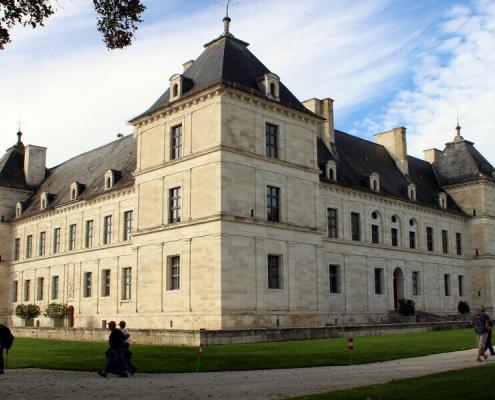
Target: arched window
[(109, 183), (395, 230), (413, 235), (272, 89), (175, 90), (376, 227)]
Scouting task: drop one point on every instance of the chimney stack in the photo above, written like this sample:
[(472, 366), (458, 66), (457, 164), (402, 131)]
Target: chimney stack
[(323, 108), (395, 143), (432, 155), (34, 164), (187, 64)]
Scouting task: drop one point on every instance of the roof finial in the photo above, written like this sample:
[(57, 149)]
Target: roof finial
[(458, 137), (19, 132), (226, 19)]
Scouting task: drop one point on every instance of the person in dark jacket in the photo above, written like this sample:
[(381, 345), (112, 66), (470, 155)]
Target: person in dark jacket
[(488, 344), (6, 340), (115, 353)]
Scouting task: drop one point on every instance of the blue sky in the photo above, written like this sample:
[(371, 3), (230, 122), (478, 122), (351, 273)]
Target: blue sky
[(385, 63)]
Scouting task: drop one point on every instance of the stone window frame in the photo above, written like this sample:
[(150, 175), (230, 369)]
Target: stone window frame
[(17, 249), (126, 283), (332, 223), (173, 272), (128, 216), (376, 219), (272, 140), (176, 142), (176, 85), (442, 200), (40, 288), (72, 237), (44, 200), (14, 291), (27, 290), (331, 171), (107, 229), (269, 84), (413, 229), (42, 244), (411, 191), (57, 240), (273, 203), (89, 233), (29, 246), (174, 204), (375, 182), (274, 280), (430, 238), (18, 209)]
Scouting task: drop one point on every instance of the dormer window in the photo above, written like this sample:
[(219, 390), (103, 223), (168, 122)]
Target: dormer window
[(75, 190), (411, 191), (18, 209), (44, 200), (175, 87), (331, 170), (269, 84), (111, 177), (375, 182), (442, 200)]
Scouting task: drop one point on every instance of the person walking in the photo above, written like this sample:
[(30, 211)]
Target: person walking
[(488, 344), (127, 343), (115, 353), (6, 340), (480, 324)]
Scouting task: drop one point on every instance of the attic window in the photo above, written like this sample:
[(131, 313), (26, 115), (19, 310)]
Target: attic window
[(111, 177), (75, 190), (269, 84), (411, 192), (442, 200), (175, 90), (176, 81), (375, 182), (331, 171), (45, 199), (18, 209)]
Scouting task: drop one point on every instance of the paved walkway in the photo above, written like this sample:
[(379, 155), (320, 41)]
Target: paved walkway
[(264, 384)]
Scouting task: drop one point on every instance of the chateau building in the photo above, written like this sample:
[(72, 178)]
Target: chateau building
[(235, 205)]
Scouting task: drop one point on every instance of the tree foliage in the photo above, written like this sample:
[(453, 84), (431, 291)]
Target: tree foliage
[(117, 19), (56, 311), (27, 311)]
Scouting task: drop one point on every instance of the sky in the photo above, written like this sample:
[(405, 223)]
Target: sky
[(386, 63)]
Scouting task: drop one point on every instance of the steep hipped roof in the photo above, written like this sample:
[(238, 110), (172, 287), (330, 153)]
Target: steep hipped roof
[(226, 60), (460, 162), (357, 159), (87, 169), (12, 168)]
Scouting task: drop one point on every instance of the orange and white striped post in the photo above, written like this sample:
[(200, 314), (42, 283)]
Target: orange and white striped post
[(350, 346), (200, 354)]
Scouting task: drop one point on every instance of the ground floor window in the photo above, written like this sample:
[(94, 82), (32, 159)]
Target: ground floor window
[(461, 285), (126, 283), (416, 285), (446, 282), (379, 289), (274, 272), (334, 276), (174, 273)]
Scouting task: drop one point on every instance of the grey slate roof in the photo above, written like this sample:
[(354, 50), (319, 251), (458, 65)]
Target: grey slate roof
[(12, 168), (460, 162), (357, 159), (226, 60), (87, 169)]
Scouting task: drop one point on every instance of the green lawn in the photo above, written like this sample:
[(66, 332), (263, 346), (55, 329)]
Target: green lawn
[(89, 356), (464, 384)]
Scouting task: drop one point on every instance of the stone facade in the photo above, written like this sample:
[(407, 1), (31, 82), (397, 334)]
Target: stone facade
[(195, 253)]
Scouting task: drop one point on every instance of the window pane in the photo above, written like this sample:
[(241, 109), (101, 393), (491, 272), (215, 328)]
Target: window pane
[(107, 230), (272, 141), (274, 281), (378, 280), (332, 223), (174, 205), (458, 242), (174, 273), (273, 203), (429, 238), (176, 142), (355, 226), (128, 225), (375, 235), (334, 275), (412, 240)]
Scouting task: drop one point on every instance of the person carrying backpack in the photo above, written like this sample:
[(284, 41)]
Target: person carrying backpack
[(6, 340)]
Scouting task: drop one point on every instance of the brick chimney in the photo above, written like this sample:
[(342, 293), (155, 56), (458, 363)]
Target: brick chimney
[(323, 108), (34, 164), (395, 143)]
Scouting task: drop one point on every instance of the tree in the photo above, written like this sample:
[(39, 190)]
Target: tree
[(117, 19)]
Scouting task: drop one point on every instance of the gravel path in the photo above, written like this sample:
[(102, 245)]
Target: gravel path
[(264, 384)]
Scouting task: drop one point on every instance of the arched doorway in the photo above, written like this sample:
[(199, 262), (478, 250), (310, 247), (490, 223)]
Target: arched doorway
[(70, 317), (398, 287)]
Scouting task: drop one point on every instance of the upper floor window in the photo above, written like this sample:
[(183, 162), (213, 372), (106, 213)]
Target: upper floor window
[(14, 293), (56, 240), (394, 233), (174, 273), (128, 225), (429, 238), (72, 236), (271, 140), (42, 243), (375, 234), (333, 230), (29, 246), (458, 243), (273, 203), (17, 248), (274, 272), (107, 229), (334, 276), (174, 205), (176, 142), (355, 226), (89, 234), (445, 241), (412, 239)]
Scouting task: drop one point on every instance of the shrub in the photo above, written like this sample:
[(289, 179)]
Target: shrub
[(463, 307), (56, 311), (407, 307), (27, 311)]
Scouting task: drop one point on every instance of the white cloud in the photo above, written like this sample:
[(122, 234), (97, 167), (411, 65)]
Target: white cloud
[(457, 69), (75, 95)]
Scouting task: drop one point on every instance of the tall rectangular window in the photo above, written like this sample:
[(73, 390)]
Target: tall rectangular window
[(375, 234), (379, 289), (458, 244), (355, 226), (105, 283), (174, 205), (273, 204), (15, 287), (412, 239), (272, 141), (274, 272), (126, 283), (333, 230), (128, 225), (56, 240), (446, 284), (445, 241), (17, 248), (55, 287), (40, 288), (460, 281), (29, 246), (87, 282), (176, 142), (107, 229), (334, 276), (27, 289), (416, 284), (394, 232), (429, 238), (174, 273), (72, 236), (42, 244), (88, 240)]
